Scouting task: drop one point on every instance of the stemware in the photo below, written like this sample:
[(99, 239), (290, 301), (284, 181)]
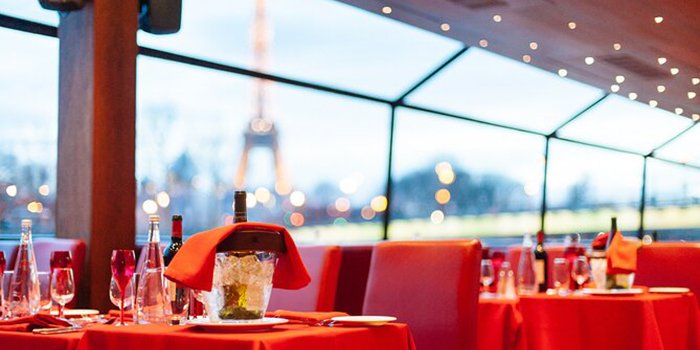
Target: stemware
[(115, 294), (179, 301), (123, 266), (2, 284), (487, 274), (61, 259), (560, 275), (62, 288), (580, 271)]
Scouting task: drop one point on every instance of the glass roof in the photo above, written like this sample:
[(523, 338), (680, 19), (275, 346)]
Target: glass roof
[(322, 41), (684, 149), (622, 123), (491, 87), (29, 10)]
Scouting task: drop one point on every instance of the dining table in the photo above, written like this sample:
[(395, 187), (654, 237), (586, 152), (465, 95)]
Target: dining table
[(166, 337), (646, 321)]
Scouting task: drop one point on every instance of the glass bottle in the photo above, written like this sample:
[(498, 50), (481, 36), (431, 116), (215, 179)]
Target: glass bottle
[(152, 295), (527, 277), (24, 295), (541, 268), (506, 281)]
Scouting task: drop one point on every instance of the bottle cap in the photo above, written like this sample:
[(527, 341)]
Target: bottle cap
[(154, 218), (26, 222), (177, 217)]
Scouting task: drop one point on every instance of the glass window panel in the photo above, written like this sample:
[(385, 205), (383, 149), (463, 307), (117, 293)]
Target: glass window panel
[(622, 123), (672, 201), (493, 176), (28, 136), (191, 123), (30, 10), (586, 186), (491, 87), (684, 149), (322, 41)]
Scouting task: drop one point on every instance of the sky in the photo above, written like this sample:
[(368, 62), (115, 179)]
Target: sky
[(326, 137)]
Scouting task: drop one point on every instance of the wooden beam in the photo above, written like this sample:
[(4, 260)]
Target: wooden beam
[(96, 190)]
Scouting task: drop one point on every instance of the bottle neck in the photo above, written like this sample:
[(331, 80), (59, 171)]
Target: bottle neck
[(26, 236), (176, 235), (154, 232)]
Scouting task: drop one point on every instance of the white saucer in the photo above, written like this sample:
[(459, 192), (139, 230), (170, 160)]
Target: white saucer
[(363, 320), (595, 291), (669, 290), (76, 312), (238, 326)]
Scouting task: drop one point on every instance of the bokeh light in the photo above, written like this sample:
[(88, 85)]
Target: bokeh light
[(342, 204), (437, 216), (149, 206), (11, 190), (296, 219), (297, 198), (163, 199), (442, 196), (44, 190), (379, 204)]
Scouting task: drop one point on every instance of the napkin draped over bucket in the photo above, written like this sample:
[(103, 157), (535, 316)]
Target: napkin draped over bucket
[(193, 265), (622, 255)]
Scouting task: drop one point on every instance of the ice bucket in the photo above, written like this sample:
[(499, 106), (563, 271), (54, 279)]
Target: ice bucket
[(242, 283)]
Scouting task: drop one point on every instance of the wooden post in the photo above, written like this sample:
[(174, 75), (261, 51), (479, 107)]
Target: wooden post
[(96, 185)]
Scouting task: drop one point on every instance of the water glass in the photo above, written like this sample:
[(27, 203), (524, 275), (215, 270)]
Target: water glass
[(179, 301), (44, 290), (5, 295), (487, 274), (560, 275), (580, 271), (62, 288)]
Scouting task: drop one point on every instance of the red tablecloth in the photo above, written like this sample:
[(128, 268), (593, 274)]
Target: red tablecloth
[(500, 325), (645, 322), (29, 341), (286, 337)]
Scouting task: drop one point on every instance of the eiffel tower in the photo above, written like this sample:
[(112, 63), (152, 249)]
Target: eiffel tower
[(261, 131)]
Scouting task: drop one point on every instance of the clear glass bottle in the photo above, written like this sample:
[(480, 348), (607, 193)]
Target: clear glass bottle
[(152, 295), (506, 281), (527, 276), (24, 295)]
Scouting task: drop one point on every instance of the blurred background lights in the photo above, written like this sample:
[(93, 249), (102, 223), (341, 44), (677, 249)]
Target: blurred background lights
[(348, 185), (387, 10), (589, 60), (620, 79), (250, 200), (437, 216), (695, 81), (342, 204), (483, 43), (653, 103), (617, 46), (11, 190), (442, 196), (296, 219), (262, 195), (572, 25), (445, 27), (163, 199), (44, 190), (674, 71), (661, 60), (562, 72), (367, 213), (35, 207), (632, 95), (297, 198), (658, 19), (691, 95), (379, 204), (497, 18), (149, 206)]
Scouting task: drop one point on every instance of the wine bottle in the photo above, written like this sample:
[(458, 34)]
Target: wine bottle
[(175, 240), (613, 281), (541, 268), (240, 210)]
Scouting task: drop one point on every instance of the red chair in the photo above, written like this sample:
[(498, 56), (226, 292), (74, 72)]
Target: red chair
[(9, 248), (43, 248), (323, 264), (669, 264), (431, 285), (352, 278)]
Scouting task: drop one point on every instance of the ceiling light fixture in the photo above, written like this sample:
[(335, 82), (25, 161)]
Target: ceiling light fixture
[(658, 19), (387, 10), (661, 60), (617, 46), (620, 79), (497, 18), (527, 58), (695, 81), (445, 27), (660, 88), (679, 110), (589, 60), (533, 45), (691, 95), (614, 88), (632, 95), (674, 71), (572, 25), (562, 72), (653, 103), (696, 117), (483, 43)]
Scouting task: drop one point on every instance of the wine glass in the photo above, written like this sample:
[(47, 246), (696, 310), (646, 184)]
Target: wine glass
[(487, 274), (123, 266), (560, 275), (44, 290), (115, 294), (62, 288), (179, 300), (580, 271), (61, 259)]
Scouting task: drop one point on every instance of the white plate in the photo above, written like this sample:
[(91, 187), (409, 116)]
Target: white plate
[(76, 312), (595, 291), (238, 326), (669, 290), (363, 320)]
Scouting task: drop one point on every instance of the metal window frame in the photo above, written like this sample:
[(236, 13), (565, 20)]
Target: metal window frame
[(32, 27)]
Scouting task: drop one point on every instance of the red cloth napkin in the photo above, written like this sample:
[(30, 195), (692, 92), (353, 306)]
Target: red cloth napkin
[(193, 266), (622, 255), (600, 241), (305, 317), (28, 323)]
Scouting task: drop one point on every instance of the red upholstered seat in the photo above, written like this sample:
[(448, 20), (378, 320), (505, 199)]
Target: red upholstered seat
[(44, 246), (431, 285), (669, 264), (323, 263), (352, 278), (9, 248)]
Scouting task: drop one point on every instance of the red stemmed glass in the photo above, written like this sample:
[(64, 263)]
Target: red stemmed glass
[(61, 259), (123, 266), (2, 263)]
